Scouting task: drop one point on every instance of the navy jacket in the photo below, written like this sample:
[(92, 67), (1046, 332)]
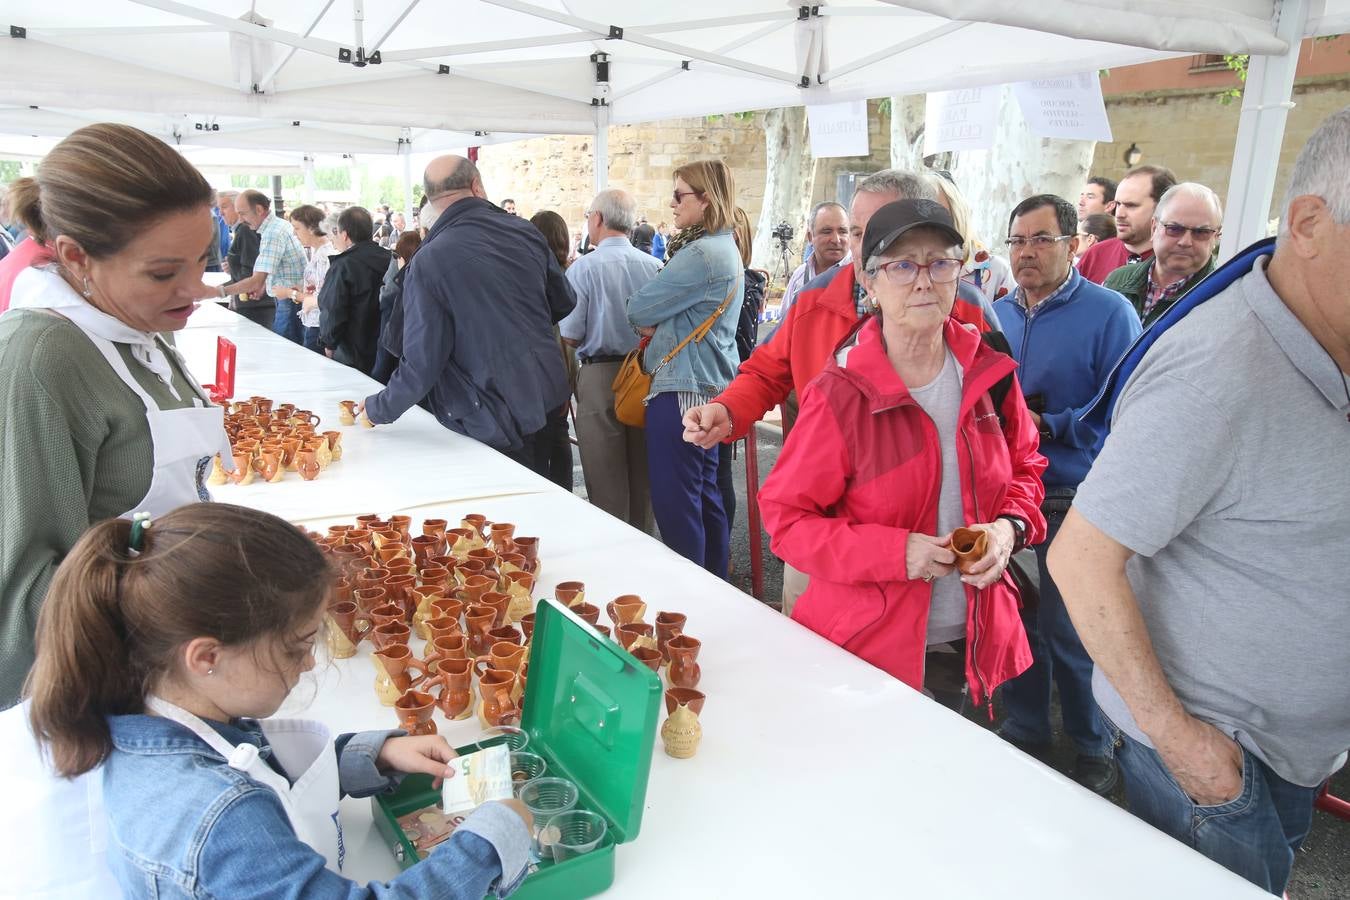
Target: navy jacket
[(479, 304), (350, 300), (1064, 350)]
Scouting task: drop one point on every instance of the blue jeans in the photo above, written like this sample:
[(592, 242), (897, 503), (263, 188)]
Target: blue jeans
[(286, 322), (312, 339), (1056, 654), (1255, 835), (686, 501)]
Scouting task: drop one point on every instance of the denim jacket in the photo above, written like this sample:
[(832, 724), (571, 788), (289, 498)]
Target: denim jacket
[(677, 300), (183, 824)]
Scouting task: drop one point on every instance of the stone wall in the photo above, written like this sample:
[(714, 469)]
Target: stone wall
[(1189, 131), (1193, 134)]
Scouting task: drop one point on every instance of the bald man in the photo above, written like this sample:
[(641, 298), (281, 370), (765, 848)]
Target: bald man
[(479, 305)]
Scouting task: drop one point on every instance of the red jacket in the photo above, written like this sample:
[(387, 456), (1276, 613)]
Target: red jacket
[(820, 318), (1104, 257), (861, 470)]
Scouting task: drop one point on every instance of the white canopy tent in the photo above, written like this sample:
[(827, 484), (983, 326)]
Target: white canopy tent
[(416, 73)]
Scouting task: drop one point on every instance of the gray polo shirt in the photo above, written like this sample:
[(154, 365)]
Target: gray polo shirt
[(603, 280), (1227, 472)]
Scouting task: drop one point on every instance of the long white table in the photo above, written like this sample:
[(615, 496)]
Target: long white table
[(907, 798)]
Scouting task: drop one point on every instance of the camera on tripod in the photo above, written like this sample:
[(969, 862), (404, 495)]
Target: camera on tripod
[(782, 232)]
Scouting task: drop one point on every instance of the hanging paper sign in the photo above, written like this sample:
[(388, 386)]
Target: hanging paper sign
[(838, 129), (1070, 107), (961, 120)]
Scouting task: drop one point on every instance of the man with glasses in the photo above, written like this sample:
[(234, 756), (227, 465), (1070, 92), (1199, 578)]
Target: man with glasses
[(1066, 333), (1137, 197), (1185, 235)]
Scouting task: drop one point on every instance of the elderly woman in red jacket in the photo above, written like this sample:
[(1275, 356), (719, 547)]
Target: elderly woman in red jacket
[(899, 443)]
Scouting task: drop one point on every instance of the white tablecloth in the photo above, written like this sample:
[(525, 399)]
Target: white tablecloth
[(817, 774)]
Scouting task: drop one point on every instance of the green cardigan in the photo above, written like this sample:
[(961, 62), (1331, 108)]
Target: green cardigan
[(74, 449), (1132, 281)]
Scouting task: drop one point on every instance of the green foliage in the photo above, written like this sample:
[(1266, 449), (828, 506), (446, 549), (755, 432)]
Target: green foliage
[(738, 116), (1237, 63), (10, 169)]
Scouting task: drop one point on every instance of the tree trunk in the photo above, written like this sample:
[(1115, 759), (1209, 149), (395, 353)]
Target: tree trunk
[(789, 180), (907, 124), (1020, 165)]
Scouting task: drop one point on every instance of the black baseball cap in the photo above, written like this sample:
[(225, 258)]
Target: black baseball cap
[(896, 219)]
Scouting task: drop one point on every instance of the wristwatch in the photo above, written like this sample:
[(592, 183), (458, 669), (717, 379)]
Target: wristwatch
[(1019, 531)]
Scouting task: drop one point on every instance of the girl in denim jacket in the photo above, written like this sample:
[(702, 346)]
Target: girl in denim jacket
[(159, 650)]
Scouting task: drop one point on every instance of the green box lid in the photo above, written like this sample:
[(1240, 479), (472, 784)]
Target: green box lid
[(593, 709)]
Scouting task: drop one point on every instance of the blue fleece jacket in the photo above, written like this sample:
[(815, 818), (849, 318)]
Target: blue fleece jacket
[(1065, 348)]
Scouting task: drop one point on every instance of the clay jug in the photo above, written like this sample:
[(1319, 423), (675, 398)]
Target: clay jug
[(639, 634), (268, 464), (529, 548), (459, 541), (511, 562), (649, 657), (473, 589), (519, 585), (477, 524), (443, 626), (350, 557), (668, 624), (466, 569), (504, 655), (499, 535), (681, 732), (434, 575), (499, 602), (339, 530), (478, 621), (454, 676), (684, 669), (570, 593), (334, 439), (447, 607), (346, 412), (400, 589), (425, 546), (446, 646), (391, 672), (969, 545), (626, 610), (496, 706), (485, 555), (369, 597), (402, 524), (527, 625), (587, 612), (422, 597), (289, 448), (434, 527), (320, 447), (243, 467), (389, 634), (342, 589), (414, 711), (345, 629), (307, 464), (507, 633), (387, 613)]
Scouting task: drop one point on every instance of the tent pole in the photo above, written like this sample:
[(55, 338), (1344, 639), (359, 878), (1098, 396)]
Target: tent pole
[(408, 208), (1265, 108), (601, 157), (309, 178)]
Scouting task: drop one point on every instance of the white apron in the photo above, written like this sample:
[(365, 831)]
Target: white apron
[(304, 748), (58, 848)]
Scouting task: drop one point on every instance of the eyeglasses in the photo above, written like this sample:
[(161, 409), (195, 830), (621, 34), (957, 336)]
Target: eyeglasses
[(904, 271), (1176, 230), (680, 195), (1037, 241)]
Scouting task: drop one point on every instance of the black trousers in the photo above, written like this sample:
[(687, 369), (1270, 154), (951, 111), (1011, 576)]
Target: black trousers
[(548, 451)]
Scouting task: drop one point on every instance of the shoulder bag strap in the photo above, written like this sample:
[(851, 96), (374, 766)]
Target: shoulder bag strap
[(699, 333)]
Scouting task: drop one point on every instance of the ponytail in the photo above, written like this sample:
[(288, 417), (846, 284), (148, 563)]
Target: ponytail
[(25, 205), (113, 623)]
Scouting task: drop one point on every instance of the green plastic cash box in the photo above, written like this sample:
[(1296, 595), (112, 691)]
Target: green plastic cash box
[(591, 711)]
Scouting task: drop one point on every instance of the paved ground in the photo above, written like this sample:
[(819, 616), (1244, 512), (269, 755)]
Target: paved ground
[(1322, 871)]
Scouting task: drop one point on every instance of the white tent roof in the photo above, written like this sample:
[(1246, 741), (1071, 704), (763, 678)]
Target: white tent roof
[(509, 67)]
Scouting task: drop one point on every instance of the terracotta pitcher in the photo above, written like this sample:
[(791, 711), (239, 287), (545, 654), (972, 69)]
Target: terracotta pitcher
[(639, 634), (668, 624), (587, 612), (307, 464), (448, 607), (476, 523), (648, 657), (626, 610), (347, 412), (243, 467), (444, 626), (400, 589), (319, 445), (529, 548), (268, 464), (527, 625), (499, 602), (681, 732), (414, 711), (425, 546), (684, 669), (434, 526), (342, 589), (473, 589), (334, 439), (520, 586), (387, 613), (389, 634), (570, 593), (369, 597), (435, 575), (507, 633), (478, 621), (422, 597), (499, 535), (454, 676), (345, 630), (497, 706), (402, 523), (504, 655), (446, 646), (459, 541), (969, 545), (391, 672)]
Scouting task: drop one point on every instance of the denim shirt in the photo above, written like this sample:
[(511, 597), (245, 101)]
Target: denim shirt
[(183, 824), (677, 301)]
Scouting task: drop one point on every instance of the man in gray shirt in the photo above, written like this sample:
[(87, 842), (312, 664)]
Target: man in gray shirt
[(1203, 559), (613, 455)]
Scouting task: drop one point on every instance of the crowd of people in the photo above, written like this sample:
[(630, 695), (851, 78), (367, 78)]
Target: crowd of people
[(1141, 446)]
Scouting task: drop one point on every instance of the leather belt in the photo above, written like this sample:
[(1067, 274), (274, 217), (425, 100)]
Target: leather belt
[(586, 361)]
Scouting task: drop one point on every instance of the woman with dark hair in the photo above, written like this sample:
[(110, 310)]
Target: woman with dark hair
[(560, 468), (1093, 229), (308, 223), (101, 415)]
